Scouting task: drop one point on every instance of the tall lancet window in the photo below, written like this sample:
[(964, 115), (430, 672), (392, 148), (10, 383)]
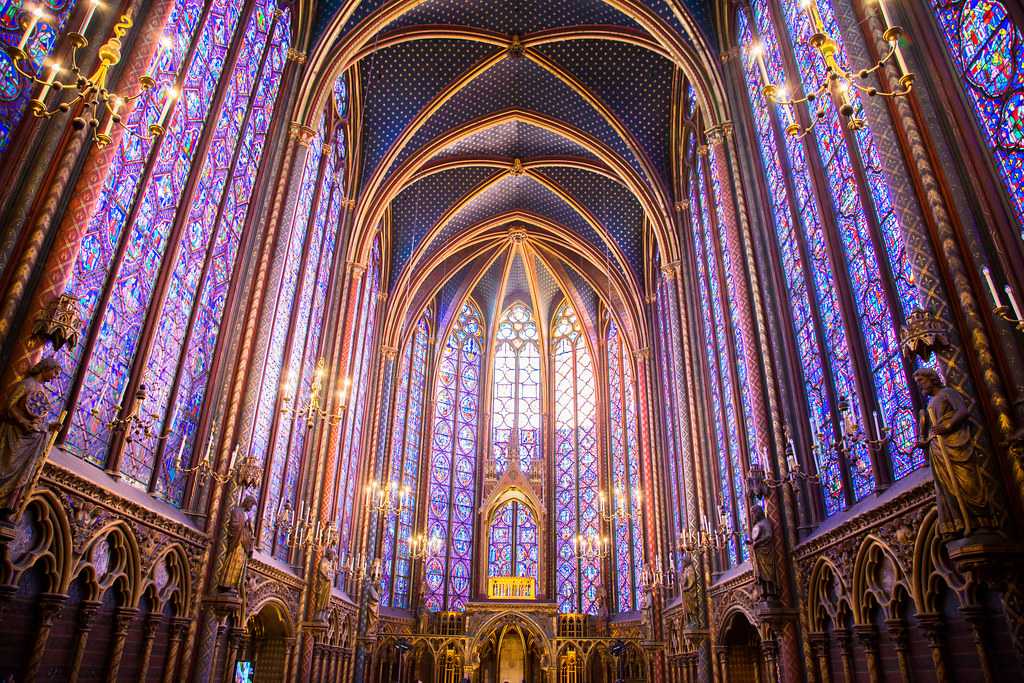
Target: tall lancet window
[(15, 90), (403, 463), (159, 256), (624, 434), (577, 473), (845, 265), (987, 50), (453, 463), (516, 403)]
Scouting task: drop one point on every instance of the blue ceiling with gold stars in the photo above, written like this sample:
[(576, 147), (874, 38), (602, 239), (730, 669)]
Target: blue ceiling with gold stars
[(570, 90)]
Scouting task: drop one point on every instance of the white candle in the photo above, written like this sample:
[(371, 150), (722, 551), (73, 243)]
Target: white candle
[(991, 287), (120, 398), (885, 13), (878, 427), (33, 18), (1013, 301), (54, 71), (181, 453), (88, 16), (172, 94), (106, 131)]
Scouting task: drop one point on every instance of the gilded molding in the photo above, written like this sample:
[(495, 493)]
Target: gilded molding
[(297, 56), (301, 133)]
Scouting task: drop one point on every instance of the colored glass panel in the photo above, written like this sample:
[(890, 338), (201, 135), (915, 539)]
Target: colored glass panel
[(809, 279), (878, 319), (987, 51), (403, 472), (576, 464), (105, 230), (453, 463), (627, 543), (516, 400), (121, 322), (512, 541)]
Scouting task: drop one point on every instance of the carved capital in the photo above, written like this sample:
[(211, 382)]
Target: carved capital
[(301, 133), (682, 205), (717, 134), (297, 56), (671, 270), (390, 352)]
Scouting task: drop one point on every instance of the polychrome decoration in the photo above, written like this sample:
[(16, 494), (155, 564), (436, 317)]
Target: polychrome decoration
[(627, 541), (177, 258), (403, 469), (577, 470), (15, 89), (453, 454), (987, 50), (516, 401)]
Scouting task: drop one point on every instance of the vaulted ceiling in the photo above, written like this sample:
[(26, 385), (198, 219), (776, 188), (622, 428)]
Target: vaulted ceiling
[(527, 133)]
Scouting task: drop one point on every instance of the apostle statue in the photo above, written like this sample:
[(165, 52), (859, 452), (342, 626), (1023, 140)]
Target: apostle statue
[(25, 439), (965, 489), (689, 583), (762, 553), (238, 548), (322, 585), (371, 584)]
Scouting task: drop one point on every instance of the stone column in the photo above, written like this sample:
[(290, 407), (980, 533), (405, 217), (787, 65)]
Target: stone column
[(843, 638), (974, 615), (49, 605), (289, 659), (179, 627), (868, 638), (86, 616), (123, 617), (898, 632), (819, 644), (933, 626), (149, 629)]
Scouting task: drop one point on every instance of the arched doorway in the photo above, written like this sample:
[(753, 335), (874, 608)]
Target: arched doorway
[(512, 653), (742, 658), (268, 650)]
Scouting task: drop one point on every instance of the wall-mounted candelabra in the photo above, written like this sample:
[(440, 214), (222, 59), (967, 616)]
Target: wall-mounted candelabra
[(387, 498), (420, 546), (89, 94), (658, 574), (314, 409), (840, 79), (1001, 310), (854, 436), (591, 546), (618, 506), (707, 538), (135, 423), (759, 482), (244, 472), (306, 529), (357, 566)]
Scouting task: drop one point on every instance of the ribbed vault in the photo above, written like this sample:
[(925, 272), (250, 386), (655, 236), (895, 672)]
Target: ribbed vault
[(515, 141)]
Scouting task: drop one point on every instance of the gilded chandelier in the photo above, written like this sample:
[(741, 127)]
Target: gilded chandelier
[(315, 408), (90, 95), (840, 79)]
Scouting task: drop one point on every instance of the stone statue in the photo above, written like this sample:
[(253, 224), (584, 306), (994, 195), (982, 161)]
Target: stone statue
[(965, 489), (24, 439), (647, 612), (689, 583), (763, 555), (371, 585), (422, 618), (322, 585), (238, 548)]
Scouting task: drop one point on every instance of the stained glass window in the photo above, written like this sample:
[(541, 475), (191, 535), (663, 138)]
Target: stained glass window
[(516, 404), (624, 432), (176, 261), (512, 541), (403, 470), (16, 90), (855, 216), (577, 472), (362, 355), (855, 206), (453, 463), (675, 417), (987, 50)]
